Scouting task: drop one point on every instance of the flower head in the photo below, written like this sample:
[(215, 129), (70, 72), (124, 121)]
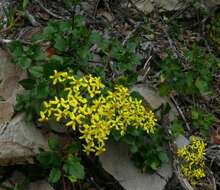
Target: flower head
[(84, 108), (192, 155)]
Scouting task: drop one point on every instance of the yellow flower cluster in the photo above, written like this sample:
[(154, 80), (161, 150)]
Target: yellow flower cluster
[(193, 167), (84, 108)]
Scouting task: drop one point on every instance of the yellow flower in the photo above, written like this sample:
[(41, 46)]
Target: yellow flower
[(85, 109), (193, 166), (58, 77), (42, 117)]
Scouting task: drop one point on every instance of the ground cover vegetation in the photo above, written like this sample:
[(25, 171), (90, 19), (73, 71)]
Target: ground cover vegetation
[(80, 78)]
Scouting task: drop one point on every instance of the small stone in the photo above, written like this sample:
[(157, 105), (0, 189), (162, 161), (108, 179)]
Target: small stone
[(181, 141)]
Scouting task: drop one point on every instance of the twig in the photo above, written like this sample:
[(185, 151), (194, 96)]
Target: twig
[(146, 68), (8, 41), (95, 184), (31, 18), (147, 62), (180, 112), (63, 180), (96, 7), (48, 11)]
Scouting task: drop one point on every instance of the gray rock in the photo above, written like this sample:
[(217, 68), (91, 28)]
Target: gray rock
[(148, 6), (10, 75), (19, 178), (19, 141), (15, 179), (117, 162), (40, 185), (181, 141), (154, 100)]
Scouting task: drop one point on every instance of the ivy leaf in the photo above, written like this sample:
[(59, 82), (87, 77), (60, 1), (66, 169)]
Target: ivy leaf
[(55, 175)]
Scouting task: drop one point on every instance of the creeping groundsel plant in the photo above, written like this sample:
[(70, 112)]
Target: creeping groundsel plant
[(193, 167), (86, 106)]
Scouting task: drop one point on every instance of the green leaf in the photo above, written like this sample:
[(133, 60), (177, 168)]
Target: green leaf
[(195, 114), (72, 179), (48, 32), (24, 62), (54, 144), (155, 165), (72, 167), (61, 44), (201, 85), (42, 90), (28, 84), (73, 148), (137, 95), (36, 71), (56, 60), (49, 159), (133, 148), (55, 175), (25, 3), (164, 89), (177, 128), (163, 157), (16, 48)]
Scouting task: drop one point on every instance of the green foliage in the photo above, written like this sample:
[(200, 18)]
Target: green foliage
[(25, 4), (62, 162), (197, 79), (214, 30), (176, 128), (71, 44), (147, 153), (202, 121)]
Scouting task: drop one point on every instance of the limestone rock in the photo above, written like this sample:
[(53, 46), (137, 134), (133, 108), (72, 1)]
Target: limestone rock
[(10, 75), (117, 162), (19, 141), (154, 99)]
